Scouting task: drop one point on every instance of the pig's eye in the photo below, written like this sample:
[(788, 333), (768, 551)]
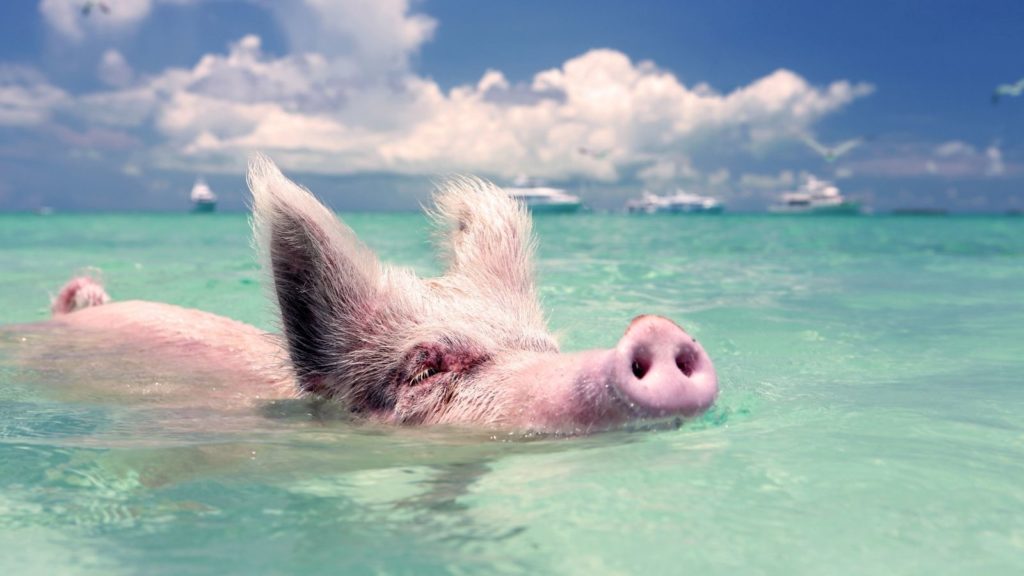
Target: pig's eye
[(436, 360), (422, 375), (424, 362)]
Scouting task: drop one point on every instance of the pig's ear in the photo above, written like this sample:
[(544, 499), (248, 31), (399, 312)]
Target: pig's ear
[(487, 237), (324, 279)]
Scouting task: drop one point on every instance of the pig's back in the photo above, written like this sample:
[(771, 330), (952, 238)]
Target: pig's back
[(162, 352)]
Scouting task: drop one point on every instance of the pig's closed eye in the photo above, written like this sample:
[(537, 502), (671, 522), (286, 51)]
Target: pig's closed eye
[(430, 362), (425, 362), (422, 375)]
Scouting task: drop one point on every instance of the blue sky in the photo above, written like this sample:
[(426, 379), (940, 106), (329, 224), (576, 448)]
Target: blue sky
[(367, 102)]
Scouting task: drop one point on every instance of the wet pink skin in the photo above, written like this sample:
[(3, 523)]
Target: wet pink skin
[(470, 347), (657, 370)]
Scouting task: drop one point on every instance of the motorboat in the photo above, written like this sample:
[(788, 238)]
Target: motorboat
[(679, 203), (203, 199), (541, 199), (815, 196)]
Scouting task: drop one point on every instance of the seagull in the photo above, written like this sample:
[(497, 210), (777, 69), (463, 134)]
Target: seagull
[(99, 4), (1015, 89), (831, 153)]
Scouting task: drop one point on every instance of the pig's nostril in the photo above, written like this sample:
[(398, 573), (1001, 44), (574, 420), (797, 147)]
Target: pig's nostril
[(638, 370), (641, 365), (685, 361)]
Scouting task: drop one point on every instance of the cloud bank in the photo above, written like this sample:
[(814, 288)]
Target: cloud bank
[(345, 100), (326, 117)]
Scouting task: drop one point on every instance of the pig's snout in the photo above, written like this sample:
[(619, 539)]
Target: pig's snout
[(661, 370)]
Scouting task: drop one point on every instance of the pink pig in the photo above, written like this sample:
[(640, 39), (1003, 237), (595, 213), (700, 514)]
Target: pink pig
[(470, 347)]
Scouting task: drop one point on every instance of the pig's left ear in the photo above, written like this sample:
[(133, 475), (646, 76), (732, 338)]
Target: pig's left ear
[(488, 238), (325, 280)]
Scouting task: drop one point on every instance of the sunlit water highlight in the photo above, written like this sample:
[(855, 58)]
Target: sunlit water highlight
[(870, 420)]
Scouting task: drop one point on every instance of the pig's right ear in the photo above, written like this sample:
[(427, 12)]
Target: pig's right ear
[(324, 279)]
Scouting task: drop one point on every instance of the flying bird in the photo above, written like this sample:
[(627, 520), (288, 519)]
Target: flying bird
[(831, 153), (1015, 89), (87, 7)]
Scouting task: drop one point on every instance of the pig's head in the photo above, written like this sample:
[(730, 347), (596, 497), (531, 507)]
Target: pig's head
[(468, 347)]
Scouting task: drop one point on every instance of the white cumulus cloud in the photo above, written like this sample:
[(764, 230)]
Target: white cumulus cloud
[(378, 35), (951, 159), (994, 156), (782, 180), (953, 148), (333, 118), (26, 97), (114, 70), (345, 100), (666, 171), (66, 17)]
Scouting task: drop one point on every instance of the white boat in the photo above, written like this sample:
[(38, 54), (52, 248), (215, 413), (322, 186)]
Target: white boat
[(815, 196), (203, 199), (543, 199), (678, 203)]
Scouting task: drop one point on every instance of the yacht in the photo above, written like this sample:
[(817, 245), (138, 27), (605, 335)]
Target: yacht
[(203, 199), (543, 199), (678, 203), (815, 196)]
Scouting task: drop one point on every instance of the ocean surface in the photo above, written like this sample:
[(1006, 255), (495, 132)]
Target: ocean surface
[(871, 416)]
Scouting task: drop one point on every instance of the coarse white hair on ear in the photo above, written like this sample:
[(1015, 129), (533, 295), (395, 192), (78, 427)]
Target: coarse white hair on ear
[(487, 238), (323, 277), (353, 325)]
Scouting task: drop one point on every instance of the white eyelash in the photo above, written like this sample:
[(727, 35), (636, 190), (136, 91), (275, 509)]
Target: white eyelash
[(426, 373)]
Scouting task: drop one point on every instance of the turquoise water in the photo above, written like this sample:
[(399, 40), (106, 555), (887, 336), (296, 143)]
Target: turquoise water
[(871, 419)]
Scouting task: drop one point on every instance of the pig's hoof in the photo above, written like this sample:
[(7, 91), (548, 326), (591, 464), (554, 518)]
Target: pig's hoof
[(80, 292)]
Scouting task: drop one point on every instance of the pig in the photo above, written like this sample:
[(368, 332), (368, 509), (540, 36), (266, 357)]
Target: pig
[(470, 347)]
